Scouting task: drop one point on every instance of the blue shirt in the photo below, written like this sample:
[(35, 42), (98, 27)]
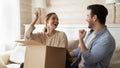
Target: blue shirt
[(99, 52)]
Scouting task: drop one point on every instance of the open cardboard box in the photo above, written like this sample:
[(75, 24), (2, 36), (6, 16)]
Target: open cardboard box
[(38, 55)]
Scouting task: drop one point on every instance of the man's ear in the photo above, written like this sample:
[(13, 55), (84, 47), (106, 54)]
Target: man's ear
[(95, 18)]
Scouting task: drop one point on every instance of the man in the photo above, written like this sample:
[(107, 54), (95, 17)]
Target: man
[(97, 49)]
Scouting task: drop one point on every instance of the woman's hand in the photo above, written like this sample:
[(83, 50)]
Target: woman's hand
[(36, 16)]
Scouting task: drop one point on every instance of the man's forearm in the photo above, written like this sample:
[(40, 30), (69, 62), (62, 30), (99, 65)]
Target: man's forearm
[(82, 46)]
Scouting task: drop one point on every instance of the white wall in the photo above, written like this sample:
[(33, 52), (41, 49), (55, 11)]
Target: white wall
[(9, 21), (74, 11)]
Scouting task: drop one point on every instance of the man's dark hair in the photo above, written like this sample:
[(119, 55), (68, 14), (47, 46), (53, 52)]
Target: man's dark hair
[(100, 11)]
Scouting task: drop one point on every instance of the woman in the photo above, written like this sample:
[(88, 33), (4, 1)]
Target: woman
[(50, 36)]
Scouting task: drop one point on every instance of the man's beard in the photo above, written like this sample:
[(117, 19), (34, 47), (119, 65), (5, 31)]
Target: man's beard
[(89, 27)]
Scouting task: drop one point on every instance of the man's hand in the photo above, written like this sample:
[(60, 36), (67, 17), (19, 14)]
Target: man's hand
[(82, 34)]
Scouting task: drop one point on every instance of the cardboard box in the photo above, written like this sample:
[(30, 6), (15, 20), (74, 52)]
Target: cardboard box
[(44, 57)]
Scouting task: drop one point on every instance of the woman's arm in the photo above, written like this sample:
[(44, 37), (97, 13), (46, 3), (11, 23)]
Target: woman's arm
[(35, 19), (31, 27)]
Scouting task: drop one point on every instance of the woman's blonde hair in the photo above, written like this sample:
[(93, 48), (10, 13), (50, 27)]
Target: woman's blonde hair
[(47, 18)]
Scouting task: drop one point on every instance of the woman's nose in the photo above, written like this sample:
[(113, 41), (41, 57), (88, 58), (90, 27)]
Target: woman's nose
[(56, 20)]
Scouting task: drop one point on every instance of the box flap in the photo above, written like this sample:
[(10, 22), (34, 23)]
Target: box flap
[(28, 42)]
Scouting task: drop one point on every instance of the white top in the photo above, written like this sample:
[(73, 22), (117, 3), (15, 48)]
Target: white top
[(59, 39)]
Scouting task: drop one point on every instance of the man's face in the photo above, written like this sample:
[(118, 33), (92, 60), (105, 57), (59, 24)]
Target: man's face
[(89, 19)]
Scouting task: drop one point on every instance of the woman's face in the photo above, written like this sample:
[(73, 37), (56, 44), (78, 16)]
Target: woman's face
[(52, 22)]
